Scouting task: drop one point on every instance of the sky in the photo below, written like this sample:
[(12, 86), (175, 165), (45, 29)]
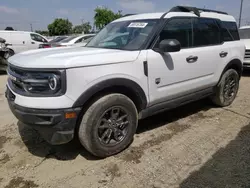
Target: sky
[(20, 14)]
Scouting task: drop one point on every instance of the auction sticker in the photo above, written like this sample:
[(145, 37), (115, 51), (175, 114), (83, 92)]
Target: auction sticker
[(138, 24)]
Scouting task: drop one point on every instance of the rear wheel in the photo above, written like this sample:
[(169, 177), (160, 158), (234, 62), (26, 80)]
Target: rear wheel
[(108, 126), (227, 88)]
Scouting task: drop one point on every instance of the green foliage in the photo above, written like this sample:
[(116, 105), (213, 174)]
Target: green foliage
[(85, 27), (60, 27), (44, 33), (103, 16)]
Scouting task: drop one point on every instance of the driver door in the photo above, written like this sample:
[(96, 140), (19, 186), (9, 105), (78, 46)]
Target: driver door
[(177, 74)]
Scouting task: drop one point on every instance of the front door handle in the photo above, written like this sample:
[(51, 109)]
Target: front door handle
[(223, 54), (192, 59), (32, 42)]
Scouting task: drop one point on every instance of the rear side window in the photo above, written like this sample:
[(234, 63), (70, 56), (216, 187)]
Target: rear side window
[(206, 32), (230, 31), (179, 29)]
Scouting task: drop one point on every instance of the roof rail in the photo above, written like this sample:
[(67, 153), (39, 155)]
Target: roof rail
[(195, 10), (128, 15), (215, 11), (185, 9)]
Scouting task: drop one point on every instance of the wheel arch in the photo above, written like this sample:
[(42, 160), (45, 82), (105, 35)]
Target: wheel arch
[(235, 64), (115, 85)]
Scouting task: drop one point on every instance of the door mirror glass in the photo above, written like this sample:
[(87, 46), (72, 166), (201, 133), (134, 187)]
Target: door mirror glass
[(169, 45)]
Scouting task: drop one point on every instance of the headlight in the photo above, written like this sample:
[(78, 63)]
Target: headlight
[(53, 82), (37, 84), (43, 83)]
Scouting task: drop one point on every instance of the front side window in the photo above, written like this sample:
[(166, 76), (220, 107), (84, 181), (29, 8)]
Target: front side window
[(206, 32), (244, 33), (125, 35), (37, 38), (192, 32), (179, 29)]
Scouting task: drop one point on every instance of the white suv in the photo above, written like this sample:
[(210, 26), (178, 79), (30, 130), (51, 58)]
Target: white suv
[(137, 66), (245, 37)]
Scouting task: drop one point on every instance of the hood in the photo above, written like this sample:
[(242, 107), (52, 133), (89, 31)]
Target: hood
[(68, 57), (247, 43)]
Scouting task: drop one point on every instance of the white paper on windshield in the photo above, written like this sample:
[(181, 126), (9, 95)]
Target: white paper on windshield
[(138, 24)]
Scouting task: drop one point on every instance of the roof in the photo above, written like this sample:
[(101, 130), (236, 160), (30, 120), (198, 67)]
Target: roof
[(175, 12)]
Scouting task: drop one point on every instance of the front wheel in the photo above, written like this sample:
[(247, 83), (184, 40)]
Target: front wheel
[(227, 89), (108, 126)]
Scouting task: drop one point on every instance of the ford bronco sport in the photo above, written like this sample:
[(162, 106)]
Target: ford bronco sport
[(135, 67)]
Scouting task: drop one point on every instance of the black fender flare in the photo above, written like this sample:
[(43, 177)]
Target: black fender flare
[(135, 91), (235, 64)]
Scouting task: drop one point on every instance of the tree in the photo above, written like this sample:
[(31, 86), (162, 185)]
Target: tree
[(85, 27), (45, 33), (103, 16), (9, 29), (60, 27)]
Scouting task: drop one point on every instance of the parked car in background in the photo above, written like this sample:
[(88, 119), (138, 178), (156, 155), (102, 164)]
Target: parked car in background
[(52, 43), (83, 43), (74, 40), (22, 40), (245, 37), (4, 54)]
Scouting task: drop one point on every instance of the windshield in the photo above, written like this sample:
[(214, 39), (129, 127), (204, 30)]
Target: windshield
[(68, 39), (87, 40), (126, 35), (244, 33)]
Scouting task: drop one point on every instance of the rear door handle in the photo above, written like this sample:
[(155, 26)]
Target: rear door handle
[(192, 59), (223, 54), (32, 42)]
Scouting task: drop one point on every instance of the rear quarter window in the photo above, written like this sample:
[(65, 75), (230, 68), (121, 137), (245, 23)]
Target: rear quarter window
[(229, 31)]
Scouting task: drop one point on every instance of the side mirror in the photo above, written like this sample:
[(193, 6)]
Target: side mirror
[(169, 45)]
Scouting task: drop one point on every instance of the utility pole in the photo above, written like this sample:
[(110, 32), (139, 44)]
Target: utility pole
[(31, 28), (240, 12), (82, 25)]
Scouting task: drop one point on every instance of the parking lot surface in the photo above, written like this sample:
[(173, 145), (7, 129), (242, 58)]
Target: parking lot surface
[(197, 145)]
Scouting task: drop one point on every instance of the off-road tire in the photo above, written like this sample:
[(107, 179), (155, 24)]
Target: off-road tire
[(88, 129), (219, 98)]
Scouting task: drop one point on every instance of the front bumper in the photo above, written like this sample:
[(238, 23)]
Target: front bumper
[(53, 125)]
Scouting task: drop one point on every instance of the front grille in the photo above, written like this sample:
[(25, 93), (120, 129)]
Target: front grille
[(247, 54)]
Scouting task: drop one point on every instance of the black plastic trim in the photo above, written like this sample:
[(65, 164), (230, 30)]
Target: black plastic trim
[(145, 67), (232, 63), (50, 123), (174, 103), (116, 82)]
